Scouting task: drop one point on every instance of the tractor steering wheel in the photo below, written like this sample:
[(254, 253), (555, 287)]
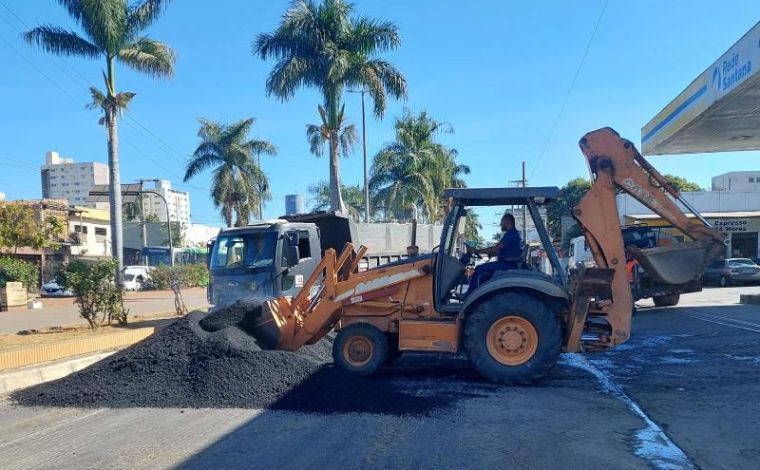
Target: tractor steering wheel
[(471, 250)]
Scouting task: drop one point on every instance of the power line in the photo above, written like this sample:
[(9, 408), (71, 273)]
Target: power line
[(570, 89), (152, 137), (156, 140)]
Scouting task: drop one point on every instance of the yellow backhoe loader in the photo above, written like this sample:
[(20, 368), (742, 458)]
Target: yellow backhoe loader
[(514, 326)]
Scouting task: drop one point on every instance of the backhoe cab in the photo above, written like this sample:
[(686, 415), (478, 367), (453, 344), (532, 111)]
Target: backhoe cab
[(514, 325)]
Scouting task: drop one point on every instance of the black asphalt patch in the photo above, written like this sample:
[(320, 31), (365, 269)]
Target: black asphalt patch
[(185, 366)]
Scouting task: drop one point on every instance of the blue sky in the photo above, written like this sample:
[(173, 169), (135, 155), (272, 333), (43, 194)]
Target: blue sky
[(498, 71)]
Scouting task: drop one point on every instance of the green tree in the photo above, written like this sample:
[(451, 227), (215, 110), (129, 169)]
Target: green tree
[(325, 46), (353, 197), (682, 184), (415, 168), (569, 196), (113, 30), (238, 183), (99, 298), (19, 227)]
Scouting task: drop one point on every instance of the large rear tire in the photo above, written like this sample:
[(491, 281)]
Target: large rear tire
[(512, 338), (360, 349)]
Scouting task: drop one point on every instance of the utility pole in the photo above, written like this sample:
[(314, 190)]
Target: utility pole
[(364, 149), (261, 207), (522, 182), (525, 228)]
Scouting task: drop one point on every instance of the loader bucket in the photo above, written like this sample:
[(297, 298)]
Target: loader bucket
[(267, 325), (677, 264)]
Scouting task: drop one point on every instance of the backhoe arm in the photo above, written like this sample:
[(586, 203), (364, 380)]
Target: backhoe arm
[(616, 164)]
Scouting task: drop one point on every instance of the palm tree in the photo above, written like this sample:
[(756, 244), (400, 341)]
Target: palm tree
[(238, 184), (353, 194), (324, 46), (319, 135), (112, 30), (415, 168)]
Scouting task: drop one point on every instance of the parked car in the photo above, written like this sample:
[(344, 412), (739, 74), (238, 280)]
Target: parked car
[(732, 271), (135, 277), (52, 289)]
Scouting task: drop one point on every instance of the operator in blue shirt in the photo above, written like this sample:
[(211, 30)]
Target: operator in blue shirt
[(508, 251)]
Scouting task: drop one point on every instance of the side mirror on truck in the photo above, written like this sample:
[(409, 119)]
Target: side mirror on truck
[(291, 248)]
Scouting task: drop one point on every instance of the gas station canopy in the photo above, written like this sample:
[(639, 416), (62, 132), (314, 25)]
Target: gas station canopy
[(717, 112)]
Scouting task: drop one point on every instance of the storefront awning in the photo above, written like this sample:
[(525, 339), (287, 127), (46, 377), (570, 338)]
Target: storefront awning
[(717, 112)]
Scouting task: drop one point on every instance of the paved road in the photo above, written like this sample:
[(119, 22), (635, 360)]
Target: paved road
[(681, 394), (63, 312)]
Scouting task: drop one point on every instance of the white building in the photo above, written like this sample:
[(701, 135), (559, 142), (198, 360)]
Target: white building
[(737, 181), (199, 235), (179, 202), (89, 231), (64, 179)]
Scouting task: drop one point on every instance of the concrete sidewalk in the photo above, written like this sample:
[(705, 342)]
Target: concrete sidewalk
[(63, 312)]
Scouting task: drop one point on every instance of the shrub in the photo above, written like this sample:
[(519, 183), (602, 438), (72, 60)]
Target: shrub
[(191, 275), (159, 278), (16, 270), (99, 299), (197, 275)]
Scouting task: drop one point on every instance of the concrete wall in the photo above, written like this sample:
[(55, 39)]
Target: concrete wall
[(156, 231), (394, 237)]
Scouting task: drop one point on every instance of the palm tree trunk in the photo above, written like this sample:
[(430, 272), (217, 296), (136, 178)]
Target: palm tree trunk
[(114, 178), (336, 198)]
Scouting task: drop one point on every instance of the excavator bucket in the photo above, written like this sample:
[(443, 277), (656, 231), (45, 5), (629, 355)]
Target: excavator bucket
[(677, 264)]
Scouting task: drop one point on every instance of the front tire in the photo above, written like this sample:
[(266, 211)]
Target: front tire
[(666, 300), (512, 338), (360, 349)]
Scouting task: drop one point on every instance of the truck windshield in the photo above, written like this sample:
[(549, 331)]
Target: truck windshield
[(244, 250)]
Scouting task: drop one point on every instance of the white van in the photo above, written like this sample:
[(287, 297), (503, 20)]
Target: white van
[(135, 277), (579, 255)]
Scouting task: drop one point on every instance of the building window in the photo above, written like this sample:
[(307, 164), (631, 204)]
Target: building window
[(100, 234), (752, 180), (80, 228)]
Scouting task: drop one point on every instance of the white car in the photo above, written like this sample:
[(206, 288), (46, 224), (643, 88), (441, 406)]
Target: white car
[(52, 289), (135, 277)]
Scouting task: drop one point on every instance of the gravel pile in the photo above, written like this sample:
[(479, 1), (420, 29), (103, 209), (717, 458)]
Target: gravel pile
[(185, 366)]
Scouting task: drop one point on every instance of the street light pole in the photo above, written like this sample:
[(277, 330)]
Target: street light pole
[(364, 149), (168, 219)]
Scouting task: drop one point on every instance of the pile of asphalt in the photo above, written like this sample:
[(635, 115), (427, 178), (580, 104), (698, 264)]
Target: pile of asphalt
[(185, 366)]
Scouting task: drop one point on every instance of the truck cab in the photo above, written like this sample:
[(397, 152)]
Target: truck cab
[(262, 260)]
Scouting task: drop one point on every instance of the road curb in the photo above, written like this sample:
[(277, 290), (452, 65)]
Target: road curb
[(753, 299), (41, 373), (55, 351)]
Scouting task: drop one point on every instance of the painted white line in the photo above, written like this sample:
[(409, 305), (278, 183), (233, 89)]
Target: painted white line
[(652, 444), (733, 320), (740, 327), (56, 426)]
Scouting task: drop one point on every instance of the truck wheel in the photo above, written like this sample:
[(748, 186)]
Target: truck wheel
[(666, 300), (512, 338), (360, 348)]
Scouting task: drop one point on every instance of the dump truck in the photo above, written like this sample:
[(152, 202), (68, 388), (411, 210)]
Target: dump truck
[(513, 326)]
